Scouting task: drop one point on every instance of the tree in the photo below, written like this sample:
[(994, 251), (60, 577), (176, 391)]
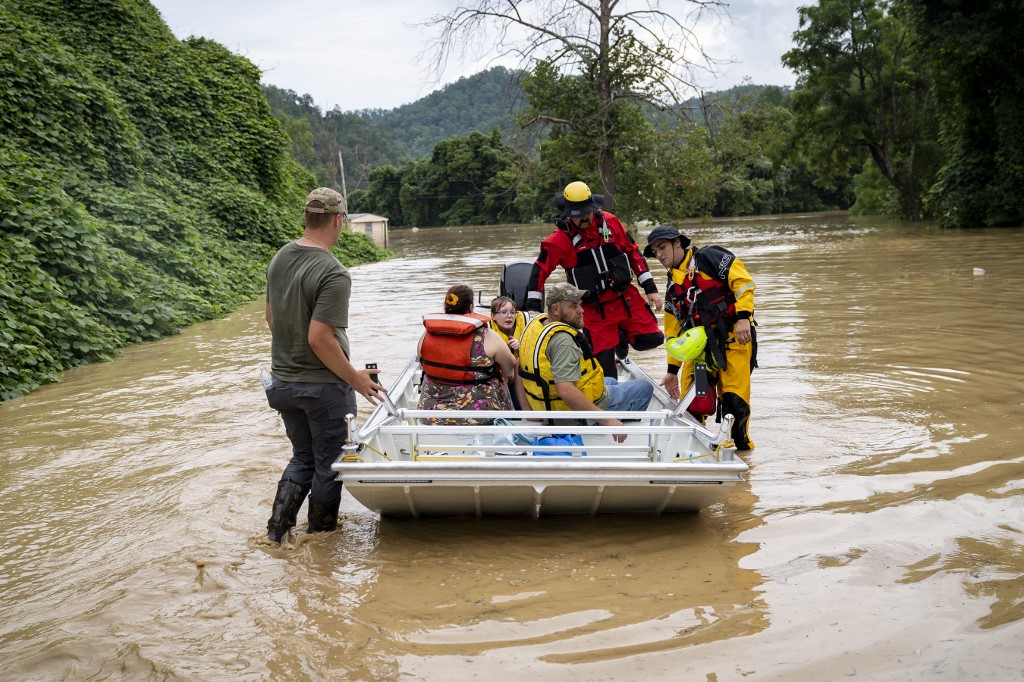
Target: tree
[(317, 138), (862, 93), (977, 64), (385, 185), (617, 53), (681, 178), (467, 181)]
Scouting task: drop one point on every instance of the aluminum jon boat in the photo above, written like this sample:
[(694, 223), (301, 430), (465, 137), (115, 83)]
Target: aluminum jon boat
[(397, 466)]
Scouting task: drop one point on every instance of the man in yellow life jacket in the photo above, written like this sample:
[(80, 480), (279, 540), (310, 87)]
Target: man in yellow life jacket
[(709, 288), (558, 369)]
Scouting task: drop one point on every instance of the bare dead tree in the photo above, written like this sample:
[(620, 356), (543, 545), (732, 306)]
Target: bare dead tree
[(584, 38), (360, 165)]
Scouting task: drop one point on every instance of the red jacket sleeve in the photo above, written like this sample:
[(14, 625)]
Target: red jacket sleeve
[(636, 259), (555, 250)]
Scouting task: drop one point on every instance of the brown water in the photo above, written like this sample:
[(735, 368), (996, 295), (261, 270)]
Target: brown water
[(881, 535)]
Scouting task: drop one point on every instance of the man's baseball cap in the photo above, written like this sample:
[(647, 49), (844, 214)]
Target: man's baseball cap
[(564, 291), (663, 232), (326, 200)]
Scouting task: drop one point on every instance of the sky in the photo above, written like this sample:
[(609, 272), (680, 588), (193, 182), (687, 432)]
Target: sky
[(355, 54)]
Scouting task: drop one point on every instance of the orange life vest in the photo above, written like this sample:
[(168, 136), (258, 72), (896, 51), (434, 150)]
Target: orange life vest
[(446, 354)]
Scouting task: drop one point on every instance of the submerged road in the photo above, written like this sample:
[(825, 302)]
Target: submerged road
[(879, 535)]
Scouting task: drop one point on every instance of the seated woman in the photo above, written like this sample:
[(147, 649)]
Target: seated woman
[(465, 364)]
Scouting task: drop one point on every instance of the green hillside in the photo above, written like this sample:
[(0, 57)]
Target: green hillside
[(317, 137), (371, 138), (492, 98), (477, 103), (144, 183)]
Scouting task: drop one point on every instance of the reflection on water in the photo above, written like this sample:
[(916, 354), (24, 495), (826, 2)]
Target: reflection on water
[(879, 535), (544, 595)]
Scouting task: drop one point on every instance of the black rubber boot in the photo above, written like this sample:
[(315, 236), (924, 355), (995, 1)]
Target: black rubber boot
[(642, 342), (322, 517), (286, 508), (738, 408)]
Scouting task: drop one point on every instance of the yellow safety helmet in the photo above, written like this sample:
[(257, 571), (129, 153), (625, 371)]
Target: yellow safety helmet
[(577, 200), (689, 346), (577, 192)]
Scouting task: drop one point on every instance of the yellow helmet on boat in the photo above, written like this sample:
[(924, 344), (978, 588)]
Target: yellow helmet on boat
[(689, 346), (577, 200), (576, 191)]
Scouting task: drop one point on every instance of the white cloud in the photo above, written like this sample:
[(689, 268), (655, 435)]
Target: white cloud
[(358, 55)]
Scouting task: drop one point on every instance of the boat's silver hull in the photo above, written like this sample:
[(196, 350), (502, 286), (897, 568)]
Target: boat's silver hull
[(537, 488)]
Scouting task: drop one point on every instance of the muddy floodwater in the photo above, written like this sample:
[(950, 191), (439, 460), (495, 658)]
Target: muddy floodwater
[(880, 534)]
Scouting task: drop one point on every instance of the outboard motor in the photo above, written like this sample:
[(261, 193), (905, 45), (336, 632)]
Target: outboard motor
[(515, 278)]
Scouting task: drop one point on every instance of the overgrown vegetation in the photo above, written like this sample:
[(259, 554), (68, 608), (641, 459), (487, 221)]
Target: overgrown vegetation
[(928, 93), (905, 107), (975, 60), (144, 184), (734, 158)]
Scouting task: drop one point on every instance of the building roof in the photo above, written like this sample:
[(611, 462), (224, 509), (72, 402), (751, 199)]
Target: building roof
[(365, 218)]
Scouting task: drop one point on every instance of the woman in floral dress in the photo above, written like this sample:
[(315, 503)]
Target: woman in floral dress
[(465, 363)]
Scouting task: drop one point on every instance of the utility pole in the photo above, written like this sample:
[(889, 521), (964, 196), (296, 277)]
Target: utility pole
[(341, 166)]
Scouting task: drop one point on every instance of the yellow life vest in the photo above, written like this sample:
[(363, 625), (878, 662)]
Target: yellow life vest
[(535, 367), (517, 330)]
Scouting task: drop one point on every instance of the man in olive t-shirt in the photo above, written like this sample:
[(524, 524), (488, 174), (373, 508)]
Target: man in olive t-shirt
[(314, 383), (310, 284), (564, 356)]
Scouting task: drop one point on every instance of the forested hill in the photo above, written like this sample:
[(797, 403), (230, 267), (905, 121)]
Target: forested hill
[(370, 138), (144, 184), (490, 99), (478, 103)]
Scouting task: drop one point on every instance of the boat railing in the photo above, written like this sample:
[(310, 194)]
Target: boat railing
[(411, 416), (647, 432), (478, 436), (680, 410), (520, 431), (539, 415)]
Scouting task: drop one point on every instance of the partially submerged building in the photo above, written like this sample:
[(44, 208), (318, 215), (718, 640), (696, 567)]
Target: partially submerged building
[(373, 226)]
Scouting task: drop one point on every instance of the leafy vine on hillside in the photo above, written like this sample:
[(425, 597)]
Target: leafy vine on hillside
[(144, 184)]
